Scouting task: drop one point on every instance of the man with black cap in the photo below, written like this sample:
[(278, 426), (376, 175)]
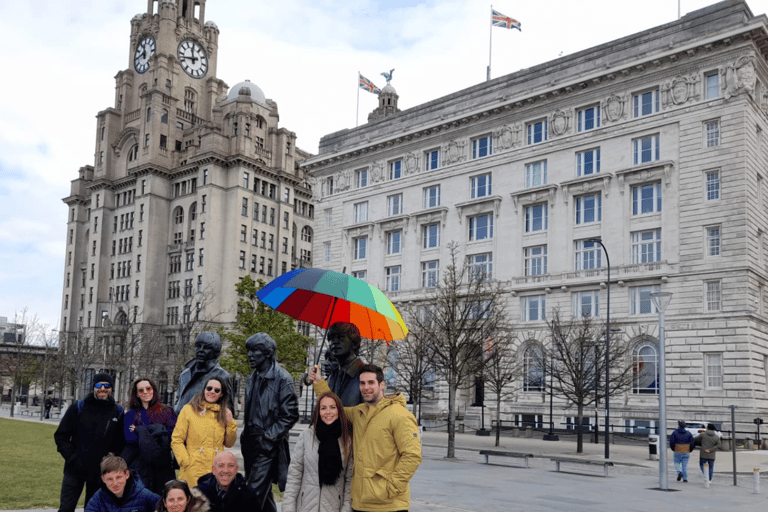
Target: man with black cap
[(681, 442), (90, 429)]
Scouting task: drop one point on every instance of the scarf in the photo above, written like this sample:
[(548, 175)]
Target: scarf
[(329, 461)]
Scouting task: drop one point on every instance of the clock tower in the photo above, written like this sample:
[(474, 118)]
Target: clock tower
[(193, 187)]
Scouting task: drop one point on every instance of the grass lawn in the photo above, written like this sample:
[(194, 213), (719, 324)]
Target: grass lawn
[(30, 467)]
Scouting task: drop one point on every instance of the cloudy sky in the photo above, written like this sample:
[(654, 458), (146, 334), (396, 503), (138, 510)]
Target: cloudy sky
[(61, 57)]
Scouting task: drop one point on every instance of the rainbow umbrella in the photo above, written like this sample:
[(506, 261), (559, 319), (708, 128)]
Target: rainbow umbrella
[(322, 297)]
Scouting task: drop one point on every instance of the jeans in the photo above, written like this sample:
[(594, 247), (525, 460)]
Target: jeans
[(711, 467), (71, 488), (681, 464)]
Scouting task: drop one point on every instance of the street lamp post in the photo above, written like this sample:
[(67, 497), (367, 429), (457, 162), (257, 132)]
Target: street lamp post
[(607, 347), (661, 301), (551, 436)]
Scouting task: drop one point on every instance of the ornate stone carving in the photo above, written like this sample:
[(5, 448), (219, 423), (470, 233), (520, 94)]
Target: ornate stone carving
[(411, 163), (679, 90), (313, 182), (740, 77), (453, 151), (507, 137), (560, 122), (377, 172), (343, 181), (614, 108)]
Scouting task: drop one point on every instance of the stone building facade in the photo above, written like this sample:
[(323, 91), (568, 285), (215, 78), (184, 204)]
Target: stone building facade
[(194, 185), (655, 143)]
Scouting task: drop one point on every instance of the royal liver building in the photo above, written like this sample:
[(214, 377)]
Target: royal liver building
[(194, 186), (654, 143)]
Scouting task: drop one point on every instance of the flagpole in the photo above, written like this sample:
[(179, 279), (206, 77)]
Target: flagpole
[(490, 45), (357, 112)]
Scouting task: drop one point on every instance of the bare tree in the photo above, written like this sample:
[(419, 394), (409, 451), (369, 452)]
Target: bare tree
[(577, 362), (455, 321), (372, 351), (501, 369), (413, 362)]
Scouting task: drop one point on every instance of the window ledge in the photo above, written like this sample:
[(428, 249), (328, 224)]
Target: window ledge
[(478, 205), (660, 169), (534, 195)]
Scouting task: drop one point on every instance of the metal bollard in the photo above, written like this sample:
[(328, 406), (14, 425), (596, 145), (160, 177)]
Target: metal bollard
[(756, 481), (705, 470)]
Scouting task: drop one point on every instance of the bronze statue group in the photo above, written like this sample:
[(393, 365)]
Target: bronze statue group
[(359, 453)]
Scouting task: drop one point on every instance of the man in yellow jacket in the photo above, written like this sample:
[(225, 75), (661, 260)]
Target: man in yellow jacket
[(386, 446)]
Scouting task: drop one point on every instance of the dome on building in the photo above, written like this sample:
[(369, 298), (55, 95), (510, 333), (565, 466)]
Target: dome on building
[(211, 24), (256, 93), (388, 89)]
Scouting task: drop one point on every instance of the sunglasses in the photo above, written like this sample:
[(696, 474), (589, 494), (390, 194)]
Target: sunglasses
[(211, 388), (105, 385)]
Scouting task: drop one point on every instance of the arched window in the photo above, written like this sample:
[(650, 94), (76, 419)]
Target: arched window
[(193, 211), (133, 153), (122, 319), (534, 375), (164, 116), (306, 234), (645, 368), (178, 215), (149, 114)]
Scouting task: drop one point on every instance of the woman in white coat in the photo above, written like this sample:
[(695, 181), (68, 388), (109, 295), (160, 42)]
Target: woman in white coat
[(320, 474)]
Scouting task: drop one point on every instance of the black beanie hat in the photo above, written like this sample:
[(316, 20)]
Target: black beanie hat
[(103, 377), (681, 424)]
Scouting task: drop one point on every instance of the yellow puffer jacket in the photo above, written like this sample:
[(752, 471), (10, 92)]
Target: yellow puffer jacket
[(387, 453), (197, 439)]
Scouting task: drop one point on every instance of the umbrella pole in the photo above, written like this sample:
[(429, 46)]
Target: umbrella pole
[(307, 382)]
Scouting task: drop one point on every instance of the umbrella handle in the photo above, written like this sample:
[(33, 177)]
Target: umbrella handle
[(305, 378)]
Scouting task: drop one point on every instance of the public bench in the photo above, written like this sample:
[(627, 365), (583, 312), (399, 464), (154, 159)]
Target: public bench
[(605, 463), (497, 453)]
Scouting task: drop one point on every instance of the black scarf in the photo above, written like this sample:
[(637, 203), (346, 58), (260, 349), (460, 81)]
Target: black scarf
[(329, 461)]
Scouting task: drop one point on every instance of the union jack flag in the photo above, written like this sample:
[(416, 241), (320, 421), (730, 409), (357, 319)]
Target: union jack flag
[(368, 85), (499, 20)]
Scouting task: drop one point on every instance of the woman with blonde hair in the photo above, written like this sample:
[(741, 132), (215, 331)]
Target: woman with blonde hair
[(205, 426), (320, 474)]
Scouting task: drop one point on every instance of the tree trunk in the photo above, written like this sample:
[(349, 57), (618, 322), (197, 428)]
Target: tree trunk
[(498, 418), (580, 434), (451, 421)]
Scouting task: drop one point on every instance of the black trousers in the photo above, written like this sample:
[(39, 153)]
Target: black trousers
[(258, 457), (71, 488)]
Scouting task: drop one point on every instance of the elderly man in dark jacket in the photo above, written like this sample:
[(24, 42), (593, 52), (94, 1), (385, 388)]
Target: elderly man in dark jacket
[(203, 367), (225, 488), (89, 430), (271, 409), (681, 442)]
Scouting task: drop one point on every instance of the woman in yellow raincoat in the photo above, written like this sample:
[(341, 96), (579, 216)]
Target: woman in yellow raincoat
[(205, 426)]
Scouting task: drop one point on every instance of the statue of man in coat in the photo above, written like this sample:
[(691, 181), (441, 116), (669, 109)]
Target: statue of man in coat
[(344, 344), (204, 366), (271, 409)]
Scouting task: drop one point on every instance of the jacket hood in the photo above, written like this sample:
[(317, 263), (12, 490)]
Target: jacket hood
[(681, 430), (388, 400)]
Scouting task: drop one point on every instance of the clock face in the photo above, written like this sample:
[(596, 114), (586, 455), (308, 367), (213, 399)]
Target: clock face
[(193, 59), (144, 51)]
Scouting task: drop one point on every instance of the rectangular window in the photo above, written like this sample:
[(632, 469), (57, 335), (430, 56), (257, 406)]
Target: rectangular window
[(482, 147), (537, 132), (396, 170), (430, 236), (243, 233), (429, 274), (535, 260), (588, 119), (393, 278), (203, 205), (588, 162), (432, 196), (245, 180), (432, 160), (646, 149), (646, 199), (394, 242), (713, 241), (646, 103), (588, 255), (713, 297), (712, 133), (361, 212), (242, 259), (535, 218), (480, 266), (640, 301), (481, 227), (361, 178), (244, 209), (713, 185), (586, 303), (329, 216), (360, 274), (481, 186), (536, 174), (589, 209), (714, 370), (533, 308), (395, 204), (646, 246), (712, 85), (327, 251), (254, 259), (361, 248)]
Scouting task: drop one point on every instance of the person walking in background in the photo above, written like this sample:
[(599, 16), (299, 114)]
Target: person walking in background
[(89, 430), (320, 474), (681, 442), (204, 427), (710, 443), (121, 491), (148, 425), (178, 497)]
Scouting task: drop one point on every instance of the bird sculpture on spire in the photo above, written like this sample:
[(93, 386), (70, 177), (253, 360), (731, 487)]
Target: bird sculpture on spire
[(388, 76)]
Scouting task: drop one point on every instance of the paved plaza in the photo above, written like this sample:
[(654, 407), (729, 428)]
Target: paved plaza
[(467, 484)]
